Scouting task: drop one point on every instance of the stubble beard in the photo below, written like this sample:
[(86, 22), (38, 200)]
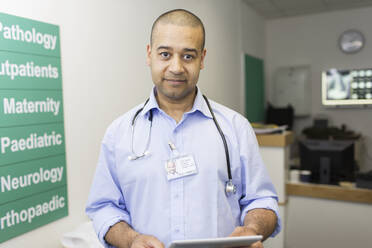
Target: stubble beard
[(174, 95)]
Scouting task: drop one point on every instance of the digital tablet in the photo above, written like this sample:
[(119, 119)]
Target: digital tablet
[(216, 242)]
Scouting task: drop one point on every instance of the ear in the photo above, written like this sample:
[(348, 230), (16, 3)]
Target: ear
[(202, 58), (148, 57)]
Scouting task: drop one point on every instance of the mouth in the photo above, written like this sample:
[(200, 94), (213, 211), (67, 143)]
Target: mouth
[(175, 80)]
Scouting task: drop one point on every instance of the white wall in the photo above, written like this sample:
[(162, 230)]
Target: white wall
[(252, 32), (312, 40), (104, 75), (251, 41)]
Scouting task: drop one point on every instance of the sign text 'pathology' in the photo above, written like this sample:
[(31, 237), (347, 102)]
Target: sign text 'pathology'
[(15, 32)]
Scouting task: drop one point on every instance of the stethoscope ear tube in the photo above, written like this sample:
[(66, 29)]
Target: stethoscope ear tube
[(139, 111), (230, 187), (223, 139)]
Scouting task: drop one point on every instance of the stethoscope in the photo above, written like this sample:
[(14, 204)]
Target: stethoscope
[(230, 188)]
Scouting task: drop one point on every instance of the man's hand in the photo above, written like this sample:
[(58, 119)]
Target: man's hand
[(146, 241), (121, 235), (257, 222), (246, 231)]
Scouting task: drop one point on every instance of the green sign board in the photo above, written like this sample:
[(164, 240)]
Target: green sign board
[(23, 35), (26, 214), (33, 184), (30, 107), (31, 177), (23, 143), (24, 71)]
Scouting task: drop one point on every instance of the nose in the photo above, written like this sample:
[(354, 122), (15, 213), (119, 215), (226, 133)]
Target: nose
[(176, 66)]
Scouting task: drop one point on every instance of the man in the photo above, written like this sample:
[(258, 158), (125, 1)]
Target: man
[(165, 179)]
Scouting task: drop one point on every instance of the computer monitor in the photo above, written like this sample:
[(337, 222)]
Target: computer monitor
[(330, 161)]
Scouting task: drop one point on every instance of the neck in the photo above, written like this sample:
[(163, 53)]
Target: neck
[(176, 108)]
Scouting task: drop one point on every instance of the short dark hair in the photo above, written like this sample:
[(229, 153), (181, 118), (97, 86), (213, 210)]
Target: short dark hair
[(180, 17)]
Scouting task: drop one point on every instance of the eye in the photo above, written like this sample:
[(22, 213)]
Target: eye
[(165, 55), (188, 57)]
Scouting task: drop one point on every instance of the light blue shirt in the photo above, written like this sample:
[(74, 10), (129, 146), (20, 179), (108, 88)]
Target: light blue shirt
[(195, 206)]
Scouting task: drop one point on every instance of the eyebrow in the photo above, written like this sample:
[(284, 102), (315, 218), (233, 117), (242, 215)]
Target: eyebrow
[(191, 50), (185, 49), (163, 47)]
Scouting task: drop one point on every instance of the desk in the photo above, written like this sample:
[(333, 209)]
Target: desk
[(314, 215), (274, 150), (275, 140), (336, 216), (330, 192)]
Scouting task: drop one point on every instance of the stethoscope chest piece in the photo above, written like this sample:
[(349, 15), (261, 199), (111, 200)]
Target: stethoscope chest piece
[(230, 188)]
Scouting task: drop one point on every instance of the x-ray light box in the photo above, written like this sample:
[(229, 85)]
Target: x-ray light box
[(347, 87)]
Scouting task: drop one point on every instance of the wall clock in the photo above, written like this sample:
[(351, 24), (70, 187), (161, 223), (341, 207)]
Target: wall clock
[(351, 41)]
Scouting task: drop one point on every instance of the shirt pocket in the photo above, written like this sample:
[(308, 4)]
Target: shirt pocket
[(140, 176)]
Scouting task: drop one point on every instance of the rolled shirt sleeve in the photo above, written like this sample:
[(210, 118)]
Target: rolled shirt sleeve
[(106, 206), (266, 203), (258, 190)]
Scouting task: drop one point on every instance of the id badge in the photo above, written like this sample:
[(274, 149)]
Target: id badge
[(180, 167)]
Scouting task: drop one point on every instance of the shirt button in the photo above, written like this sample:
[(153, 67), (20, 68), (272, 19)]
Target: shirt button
[(177, 230), (176, 196)]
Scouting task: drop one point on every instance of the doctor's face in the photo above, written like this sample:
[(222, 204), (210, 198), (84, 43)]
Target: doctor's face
[(176, 58)]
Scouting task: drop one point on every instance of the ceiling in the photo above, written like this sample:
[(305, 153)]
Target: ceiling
[(271, 9)]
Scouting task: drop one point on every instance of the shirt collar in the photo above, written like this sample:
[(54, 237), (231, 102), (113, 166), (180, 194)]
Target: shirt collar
[(199, 104), (151, 104)]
